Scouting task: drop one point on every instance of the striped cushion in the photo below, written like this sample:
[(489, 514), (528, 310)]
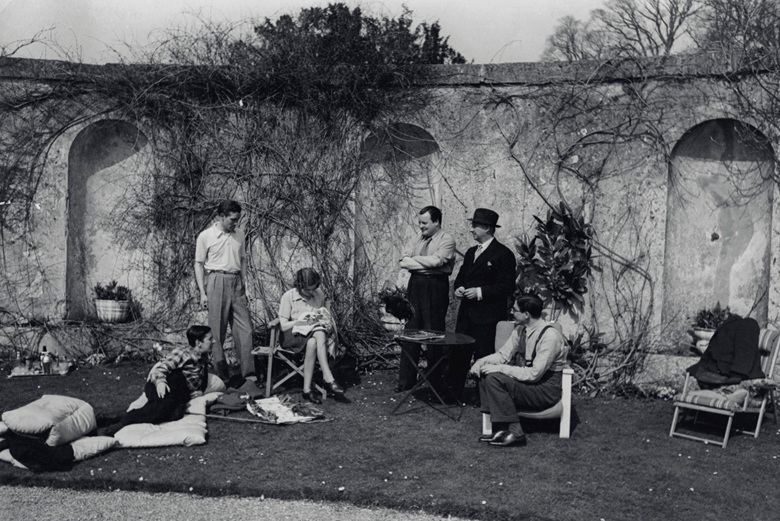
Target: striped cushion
[(713, 399), (768, 349)]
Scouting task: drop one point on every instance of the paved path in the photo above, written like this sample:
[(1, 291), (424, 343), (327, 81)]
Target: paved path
[(46, 504)]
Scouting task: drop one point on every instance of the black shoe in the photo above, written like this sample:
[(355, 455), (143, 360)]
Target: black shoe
[(333, 388), (402, 388), (508, 439), (489, 437), (312, 398)]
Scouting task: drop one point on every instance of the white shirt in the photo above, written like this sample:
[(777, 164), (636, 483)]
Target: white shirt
[(220, 250), (482, 247)]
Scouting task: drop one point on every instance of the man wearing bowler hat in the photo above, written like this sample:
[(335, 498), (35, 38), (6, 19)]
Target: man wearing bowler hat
[(484, 285)]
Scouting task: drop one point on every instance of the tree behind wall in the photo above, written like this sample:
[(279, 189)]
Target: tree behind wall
[(624, 29)]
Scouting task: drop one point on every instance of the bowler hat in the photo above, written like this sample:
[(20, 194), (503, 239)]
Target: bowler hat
[(485, 216)]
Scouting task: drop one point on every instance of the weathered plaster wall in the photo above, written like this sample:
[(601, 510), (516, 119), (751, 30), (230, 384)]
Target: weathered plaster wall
[(499, 140), (105, 165), (499, 155)]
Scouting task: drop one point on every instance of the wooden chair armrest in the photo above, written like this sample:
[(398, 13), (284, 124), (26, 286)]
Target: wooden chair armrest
[(686, 383)]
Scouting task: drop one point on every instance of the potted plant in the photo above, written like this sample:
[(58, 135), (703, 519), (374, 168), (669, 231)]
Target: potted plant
[(112, 302), (557, 262), (395, 309), (707, 320)]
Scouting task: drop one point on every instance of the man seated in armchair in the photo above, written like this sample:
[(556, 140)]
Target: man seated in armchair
[(524, 374)]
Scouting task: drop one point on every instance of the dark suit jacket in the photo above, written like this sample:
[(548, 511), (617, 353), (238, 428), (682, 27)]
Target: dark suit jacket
[(494, 272), (732, 354)]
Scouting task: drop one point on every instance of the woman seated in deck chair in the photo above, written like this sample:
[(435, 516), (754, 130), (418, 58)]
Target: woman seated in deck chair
[(306, 323)]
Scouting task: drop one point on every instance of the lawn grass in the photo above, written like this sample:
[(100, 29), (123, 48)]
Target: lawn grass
[(619, 464)]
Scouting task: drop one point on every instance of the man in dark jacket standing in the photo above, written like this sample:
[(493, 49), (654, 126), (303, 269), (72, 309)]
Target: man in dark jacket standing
[(484, 285)]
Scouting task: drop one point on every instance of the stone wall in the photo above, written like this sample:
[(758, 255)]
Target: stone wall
[(513, 137)]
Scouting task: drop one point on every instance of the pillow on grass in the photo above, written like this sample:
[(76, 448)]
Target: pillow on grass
[(62, 417), (83, 448), (188, 431), (89, 446)]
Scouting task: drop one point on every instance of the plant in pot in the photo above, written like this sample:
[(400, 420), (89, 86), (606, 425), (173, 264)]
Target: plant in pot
[(557, 262), (395, 310), (706, 321), (112, 302)]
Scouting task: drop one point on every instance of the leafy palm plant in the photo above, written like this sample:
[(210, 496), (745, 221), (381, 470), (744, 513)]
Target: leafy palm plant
[(558, 261)]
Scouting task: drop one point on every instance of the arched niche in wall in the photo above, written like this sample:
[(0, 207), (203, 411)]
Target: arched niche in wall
[(401, 177), (719, 221), (104, 167)]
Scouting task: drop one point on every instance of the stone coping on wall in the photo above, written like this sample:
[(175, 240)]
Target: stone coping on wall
[(533, 73)]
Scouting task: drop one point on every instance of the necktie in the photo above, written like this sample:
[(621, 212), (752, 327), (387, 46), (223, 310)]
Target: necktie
[(477, 253), (424, 249)]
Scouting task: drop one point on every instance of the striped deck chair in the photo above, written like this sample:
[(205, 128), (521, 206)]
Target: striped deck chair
[(753, 397)]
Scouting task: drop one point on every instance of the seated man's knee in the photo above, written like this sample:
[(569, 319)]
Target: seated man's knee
[(493, 379)]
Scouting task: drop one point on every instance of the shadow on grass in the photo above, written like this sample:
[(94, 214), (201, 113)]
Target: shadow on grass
[(619, 463)]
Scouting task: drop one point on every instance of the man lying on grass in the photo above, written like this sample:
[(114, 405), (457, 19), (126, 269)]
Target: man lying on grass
[(525, 374), (172, 383)]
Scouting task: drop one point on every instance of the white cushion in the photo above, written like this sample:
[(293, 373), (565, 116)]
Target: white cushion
[(89, 446), (64, 418), (83, 448), (190, 430)]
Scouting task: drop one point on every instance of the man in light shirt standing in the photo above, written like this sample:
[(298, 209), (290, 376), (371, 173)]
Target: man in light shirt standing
[(429, 260), (220, 271)]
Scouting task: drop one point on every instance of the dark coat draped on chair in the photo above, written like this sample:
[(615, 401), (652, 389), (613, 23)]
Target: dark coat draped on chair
[(732, 355)]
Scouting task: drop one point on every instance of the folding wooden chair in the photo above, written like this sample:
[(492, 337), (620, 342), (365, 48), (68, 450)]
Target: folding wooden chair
[(273, 351), (561, 410), (696, 401)]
